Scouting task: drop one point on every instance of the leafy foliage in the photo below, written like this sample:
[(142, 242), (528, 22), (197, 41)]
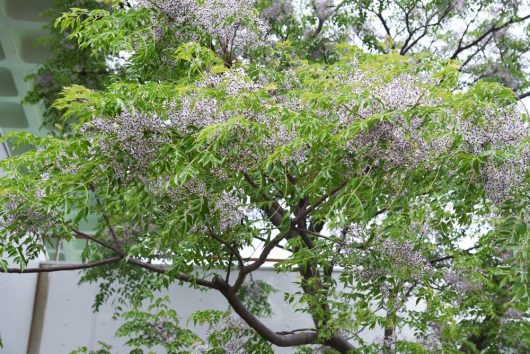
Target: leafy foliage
[(386, 184)]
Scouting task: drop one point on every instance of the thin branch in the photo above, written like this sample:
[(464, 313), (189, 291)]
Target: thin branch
[(61, 268), (105, 217), (425, 27), (471, 56), (233, 251), (297, 330), (262, 258), (314, 233), (93, 239), (276, 213), (160, 269), (491, 30), (445, 258), (265, 240), (227, 279)]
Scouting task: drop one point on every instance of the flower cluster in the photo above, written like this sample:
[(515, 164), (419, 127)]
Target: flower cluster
[(233, 24), (431, 341), (229, 210), (278, 10), (395, 141), (196, 112), (23, 220), (503, 130), (139, 136), (165, 331), (404, 256), (512, 315), (236, 331), (200, 348), (460, 283)]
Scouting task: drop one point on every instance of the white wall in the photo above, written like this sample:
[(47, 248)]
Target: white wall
[(17, 292), (70, 323)]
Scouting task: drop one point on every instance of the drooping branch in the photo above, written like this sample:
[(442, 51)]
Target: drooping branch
[(161, 269)]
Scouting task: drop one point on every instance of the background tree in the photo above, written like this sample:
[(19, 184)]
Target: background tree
[(67, 65), (489, 38), (214, 139)]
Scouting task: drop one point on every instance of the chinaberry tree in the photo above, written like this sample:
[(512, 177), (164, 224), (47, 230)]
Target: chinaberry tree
[(372, 171), (490, 38)]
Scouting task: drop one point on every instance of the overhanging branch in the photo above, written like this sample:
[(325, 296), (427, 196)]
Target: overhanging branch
[(61, 268)]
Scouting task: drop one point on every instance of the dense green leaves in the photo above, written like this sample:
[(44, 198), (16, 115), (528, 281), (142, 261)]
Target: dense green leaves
[(400, 200)]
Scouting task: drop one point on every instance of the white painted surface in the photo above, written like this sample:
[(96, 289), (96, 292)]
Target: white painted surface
[(17, 292), (70, 323)]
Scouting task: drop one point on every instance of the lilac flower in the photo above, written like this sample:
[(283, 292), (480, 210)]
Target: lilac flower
[(233, 24), (278, 10), (230, 214), (460, 283), (503, 130), (237, 330), (21, 219), (139, 136)]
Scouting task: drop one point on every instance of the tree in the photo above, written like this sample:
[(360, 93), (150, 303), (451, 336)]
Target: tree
[(489, 38), (68, 65), (215, 139)]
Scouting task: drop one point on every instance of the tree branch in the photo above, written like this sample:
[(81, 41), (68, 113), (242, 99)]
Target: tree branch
[(306, 212), (281, 340), (60, 268), (491, 30), (445, 258), (523, 95), (233, 250), (99, 242), (163, 270)]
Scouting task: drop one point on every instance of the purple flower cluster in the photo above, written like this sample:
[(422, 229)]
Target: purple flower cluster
[(139, 136), (501, 130), (200, 348), (512, 315), (460, 283), (165, 331), (229, 210), (237, 329), (233, 24), (278, 10), (395, 141), (196, 112), (23, 220), (404, 256)]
